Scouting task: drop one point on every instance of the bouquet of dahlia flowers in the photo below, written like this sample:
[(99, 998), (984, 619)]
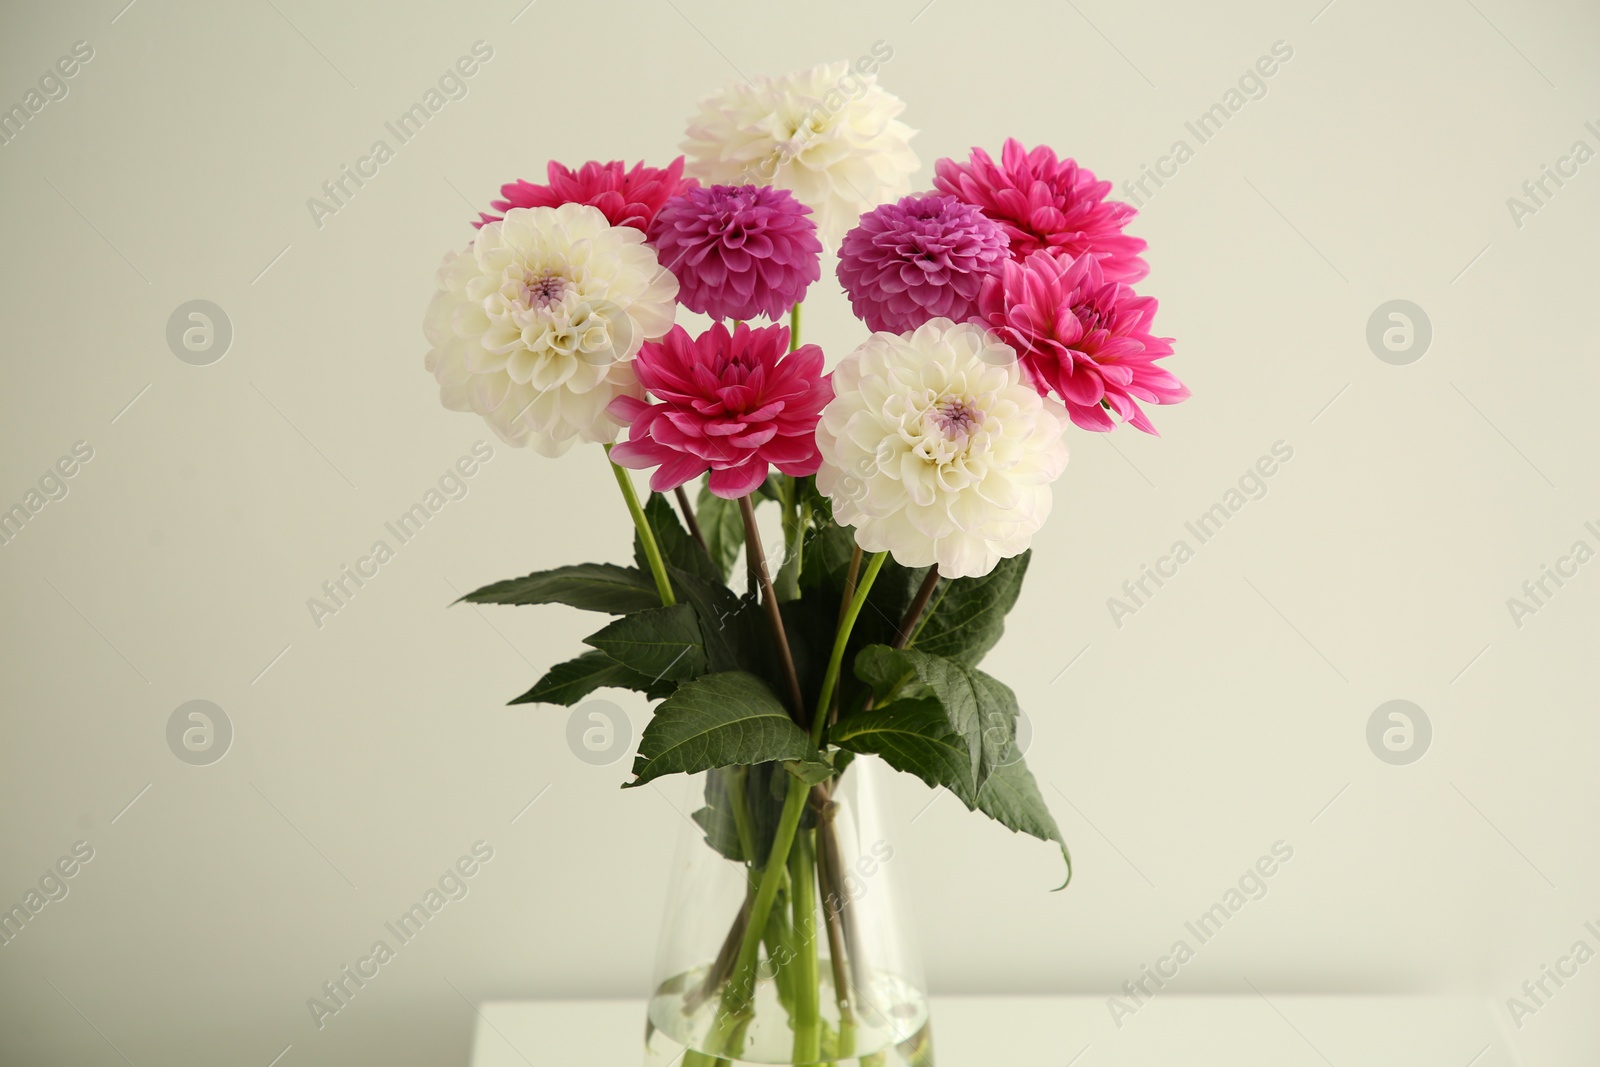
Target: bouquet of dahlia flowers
[(909, 481)]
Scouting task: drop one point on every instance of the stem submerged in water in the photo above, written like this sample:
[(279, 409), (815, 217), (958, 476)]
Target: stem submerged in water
[(834, 902), (807, 987), (807, 858), (740, 991)]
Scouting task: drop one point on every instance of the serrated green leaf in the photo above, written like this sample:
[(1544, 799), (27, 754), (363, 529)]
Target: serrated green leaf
[(590, 586), (719, 720), (729, 625), (1011, 798), (914, 736), (968, 616), (569, 682), (981, 709), (661, 643), (723, 528)]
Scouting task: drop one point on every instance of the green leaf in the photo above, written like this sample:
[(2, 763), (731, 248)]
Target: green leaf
[(969, 614), (810, 771), (719, 720), (721, 832), (827, 556), (717, 819), (729, 625), (981, 709), (658, 643), (569, 682), (677, 546), (722, 527), (1011, 798), (590, 586), (737, 634), (914, 736)]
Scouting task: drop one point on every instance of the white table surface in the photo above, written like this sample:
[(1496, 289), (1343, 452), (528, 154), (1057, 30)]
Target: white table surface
[(1170, 1031)]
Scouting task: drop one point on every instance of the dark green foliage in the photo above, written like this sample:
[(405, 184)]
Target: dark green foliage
[(569, 682), (591, 586), (657, 643), (925, 709), (720, 720)]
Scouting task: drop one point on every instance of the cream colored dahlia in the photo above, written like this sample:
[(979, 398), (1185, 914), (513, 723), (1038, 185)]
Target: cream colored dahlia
[(535, 325), (829, 135), (937, 451)]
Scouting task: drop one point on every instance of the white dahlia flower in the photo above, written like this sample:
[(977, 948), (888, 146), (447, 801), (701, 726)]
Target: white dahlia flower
[(536, 324), (829, 135), (936, 450)]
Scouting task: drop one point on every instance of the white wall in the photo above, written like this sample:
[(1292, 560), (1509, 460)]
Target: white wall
[(1222, 717)]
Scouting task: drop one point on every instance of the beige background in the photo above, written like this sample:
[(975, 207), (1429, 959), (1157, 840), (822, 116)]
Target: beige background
[(369, 754)]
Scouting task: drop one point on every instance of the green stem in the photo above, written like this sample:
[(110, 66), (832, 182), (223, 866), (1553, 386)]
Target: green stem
[(807, 986), (840, 640), (787, 584), (833, 905), (741, 813), (794, 327), (779, 940), (737, 997), (647, 537), (696, 1058)]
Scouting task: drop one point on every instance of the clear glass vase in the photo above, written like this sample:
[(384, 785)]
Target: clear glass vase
[(808, 961)]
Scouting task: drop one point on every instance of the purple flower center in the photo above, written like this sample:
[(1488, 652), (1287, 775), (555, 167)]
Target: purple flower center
[(956, 417), (546, 289)]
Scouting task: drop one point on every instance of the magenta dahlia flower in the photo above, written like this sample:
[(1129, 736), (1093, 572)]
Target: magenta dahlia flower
[(1081, 336), (738, 250), (625, 197), (922, 258), (731, 403), (1045, 203)]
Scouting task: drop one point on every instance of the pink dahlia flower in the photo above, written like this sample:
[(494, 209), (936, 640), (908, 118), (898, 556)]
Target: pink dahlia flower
[(731, 403), (738, 250), (922, 258), (625, 197), (1045, 203), (1081, 336)]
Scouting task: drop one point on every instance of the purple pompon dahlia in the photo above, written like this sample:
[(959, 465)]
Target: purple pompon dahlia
[(1047, 203), (922, 258), (738, 250), (1083, 337)]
